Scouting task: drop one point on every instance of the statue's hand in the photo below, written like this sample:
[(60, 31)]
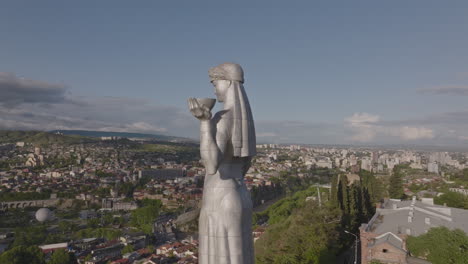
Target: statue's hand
[(198, 110)]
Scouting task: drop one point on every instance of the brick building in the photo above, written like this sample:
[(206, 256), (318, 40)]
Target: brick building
[(384, 237)]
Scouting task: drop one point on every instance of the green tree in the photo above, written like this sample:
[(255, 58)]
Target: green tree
[(102, 191), (127, 249), (88, 257), (17, 196), (396, 184), (354, 201), (107, 219), (373, 185), (4, 165), (93, 223), (440, 245), (309, 235), (126, 189), (334, 191), (342, 193), (356, 212), (109, 233), (452, 199), (55, 238), (29, 236), (282, 209), (67, 226), (22, 255), (144, 217), (150, 248), (78, 205), (61, 256), (367, 206)]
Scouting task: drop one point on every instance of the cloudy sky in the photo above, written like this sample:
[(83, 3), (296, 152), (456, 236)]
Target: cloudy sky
[(335, 72)]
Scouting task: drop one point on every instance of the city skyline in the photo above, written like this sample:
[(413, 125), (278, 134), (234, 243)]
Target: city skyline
[(381, 73)]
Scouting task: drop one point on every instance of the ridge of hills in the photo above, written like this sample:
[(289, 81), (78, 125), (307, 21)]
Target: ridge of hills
[(41, 137), (90, 133), (77, 137)]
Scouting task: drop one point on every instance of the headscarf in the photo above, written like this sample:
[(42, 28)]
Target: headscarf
[(242, 128)]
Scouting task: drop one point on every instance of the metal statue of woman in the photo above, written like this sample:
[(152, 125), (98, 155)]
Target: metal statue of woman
[(227, 145)]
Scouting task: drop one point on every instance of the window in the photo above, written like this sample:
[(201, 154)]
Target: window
[(384, 250)]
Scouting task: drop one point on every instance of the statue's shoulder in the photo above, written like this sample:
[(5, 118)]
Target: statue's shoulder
[(221, 116), (222, 120)]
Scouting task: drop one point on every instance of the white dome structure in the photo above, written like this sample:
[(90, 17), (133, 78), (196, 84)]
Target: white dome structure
[(43, 214)]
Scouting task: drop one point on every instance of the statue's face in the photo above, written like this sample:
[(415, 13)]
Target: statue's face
[(221, 88)]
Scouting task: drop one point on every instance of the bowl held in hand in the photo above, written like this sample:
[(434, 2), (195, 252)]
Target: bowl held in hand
[(208, 102)]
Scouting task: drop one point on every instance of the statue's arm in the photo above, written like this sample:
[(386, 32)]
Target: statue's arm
[(211, 146), (247, 164)]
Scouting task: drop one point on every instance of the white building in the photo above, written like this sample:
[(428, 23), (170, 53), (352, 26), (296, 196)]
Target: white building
[(433, 167), (366, 164)]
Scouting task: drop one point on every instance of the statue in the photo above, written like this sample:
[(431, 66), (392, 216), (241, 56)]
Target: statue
[(227, 145)]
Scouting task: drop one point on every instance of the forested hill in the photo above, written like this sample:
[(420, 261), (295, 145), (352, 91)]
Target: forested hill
[(41, 138), (68, 137), (87, 133)]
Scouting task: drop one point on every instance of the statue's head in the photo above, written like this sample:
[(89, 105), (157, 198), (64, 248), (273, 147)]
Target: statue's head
[(228, 79), (222, 77)]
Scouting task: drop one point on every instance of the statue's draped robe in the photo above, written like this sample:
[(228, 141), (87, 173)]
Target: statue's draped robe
[(225, 224)]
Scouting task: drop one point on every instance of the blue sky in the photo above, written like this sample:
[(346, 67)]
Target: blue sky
[(373, 72)]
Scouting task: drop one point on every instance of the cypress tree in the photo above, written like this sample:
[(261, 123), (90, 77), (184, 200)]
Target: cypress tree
[(396, 184), (356, 215), (344, 194), (334, 191)]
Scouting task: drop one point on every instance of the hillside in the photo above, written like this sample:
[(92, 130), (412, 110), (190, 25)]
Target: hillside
[(41, 138), (300, 231), (87, 133)]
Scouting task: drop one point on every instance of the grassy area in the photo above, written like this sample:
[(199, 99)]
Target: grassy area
[(165, 148), (283, 208)]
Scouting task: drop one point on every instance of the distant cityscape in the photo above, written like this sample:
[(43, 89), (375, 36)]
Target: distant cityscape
[(115, 200)]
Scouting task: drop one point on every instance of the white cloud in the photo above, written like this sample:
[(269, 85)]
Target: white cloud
[(143, 126), (363, 126), (359, 119), (413, 133), (364, 135), (367, 128)]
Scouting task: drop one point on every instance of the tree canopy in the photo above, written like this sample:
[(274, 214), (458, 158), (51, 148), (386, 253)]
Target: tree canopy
[(22, 255), (396, 184), (452, 199), (29, 236), (440, 246), (61, 256), (128, 249), (144, 217), (309, 235)]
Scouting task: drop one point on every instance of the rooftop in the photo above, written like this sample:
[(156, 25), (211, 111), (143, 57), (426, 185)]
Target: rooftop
[(413, 217)]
